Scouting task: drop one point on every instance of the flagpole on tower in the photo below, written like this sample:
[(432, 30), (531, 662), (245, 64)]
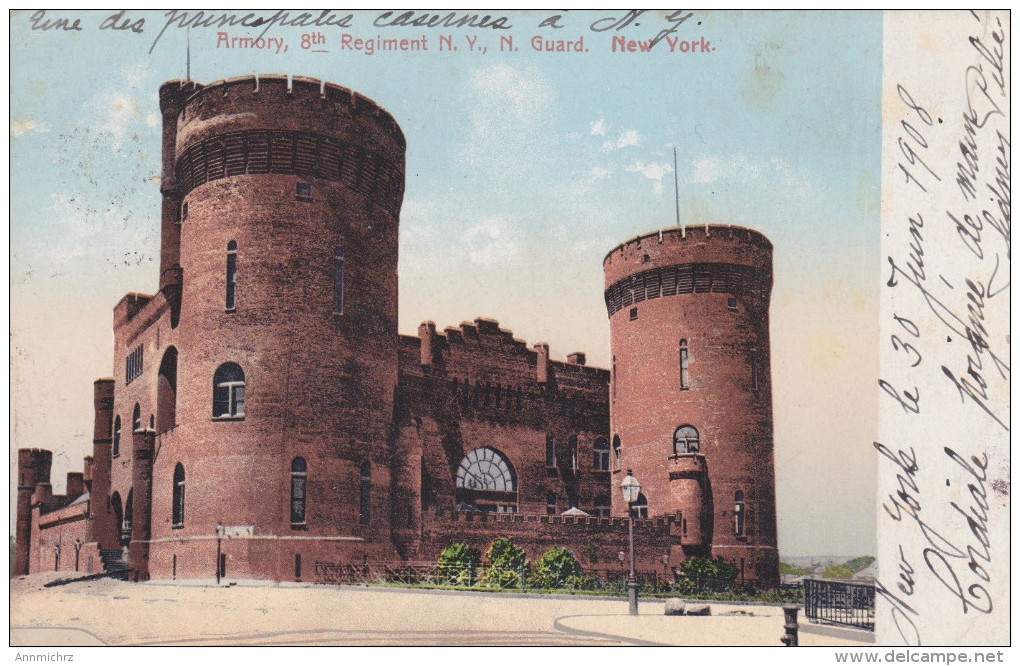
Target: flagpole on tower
[(188, 56), (676, 187)]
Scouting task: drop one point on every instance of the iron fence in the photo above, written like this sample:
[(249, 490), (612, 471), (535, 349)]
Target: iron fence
[(843, 602), (482, 576)]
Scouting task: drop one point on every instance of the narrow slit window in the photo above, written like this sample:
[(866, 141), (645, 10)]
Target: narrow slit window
[(298, 483), (550, 504), (550, 450), (366, 493), (685, 380), (178, 506), (231, 300), (738, 513), (116, 437), (754, 368), (338, 281)]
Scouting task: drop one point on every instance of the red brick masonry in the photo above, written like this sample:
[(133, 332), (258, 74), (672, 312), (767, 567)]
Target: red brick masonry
[(264, 407)]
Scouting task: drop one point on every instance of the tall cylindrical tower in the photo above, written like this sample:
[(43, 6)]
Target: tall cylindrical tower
[(691, 394), (286, 193)]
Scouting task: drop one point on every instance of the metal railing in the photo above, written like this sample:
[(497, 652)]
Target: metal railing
[(843, 602), (480, 576)]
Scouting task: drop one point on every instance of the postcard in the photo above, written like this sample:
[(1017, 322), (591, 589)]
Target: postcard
[(494, 328)]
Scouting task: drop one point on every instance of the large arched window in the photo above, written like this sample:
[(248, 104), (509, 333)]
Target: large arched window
[(298, 483), (684, 378), (136, 418), (178, 512), (550, 450), (486, 482), (231, 300), (738, 513), (685, 440), (116, 437), (601, 450), (228, 391), (166, 392), (617, 452), (366, 492)]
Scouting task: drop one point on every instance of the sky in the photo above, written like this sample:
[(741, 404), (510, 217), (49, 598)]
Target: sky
[(524, 168)]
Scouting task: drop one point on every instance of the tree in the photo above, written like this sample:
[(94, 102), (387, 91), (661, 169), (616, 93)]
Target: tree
[(506, 563), (701, 574), (557, 568), (458, 563)]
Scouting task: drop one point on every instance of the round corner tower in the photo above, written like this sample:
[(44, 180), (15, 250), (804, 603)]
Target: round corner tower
[(281, 199), (690, 392)]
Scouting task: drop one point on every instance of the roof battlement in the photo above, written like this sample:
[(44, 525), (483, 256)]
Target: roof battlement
[(451, 516), (485, 334), (177, 94), (691, 233)]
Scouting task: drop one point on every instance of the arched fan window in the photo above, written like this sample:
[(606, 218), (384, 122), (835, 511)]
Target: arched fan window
[(486, 481)]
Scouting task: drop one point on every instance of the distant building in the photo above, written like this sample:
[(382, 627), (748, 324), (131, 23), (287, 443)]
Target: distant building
[(265, 408)]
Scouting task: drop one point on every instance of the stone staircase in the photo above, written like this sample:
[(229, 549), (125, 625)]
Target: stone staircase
[(114, 564)]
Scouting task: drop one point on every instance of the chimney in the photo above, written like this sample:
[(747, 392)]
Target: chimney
[(542, 369)]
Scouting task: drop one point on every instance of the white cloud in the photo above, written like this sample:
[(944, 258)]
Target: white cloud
[(492, 242), (112, 113), (135, 75), (625, 139), (599, 127), (600, 173), (507, 103), (653, 172), (152, 120), (20, 126)]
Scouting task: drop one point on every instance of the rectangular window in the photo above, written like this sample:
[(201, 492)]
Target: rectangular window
[(550, 504), (633, 314), (338, 282), (297, 567), (550, 450), (304, 192), (133, 365)]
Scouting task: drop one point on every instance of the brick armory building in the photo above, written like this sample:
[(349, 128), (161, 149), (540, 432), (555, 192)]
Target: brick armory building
[(266, 415)]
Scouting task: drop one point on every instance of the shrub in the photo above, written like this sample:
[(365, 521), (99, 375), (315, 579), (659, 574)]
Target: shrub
[(837, 571), (556, 568), (506, 562), (704, 574), (458, 562)]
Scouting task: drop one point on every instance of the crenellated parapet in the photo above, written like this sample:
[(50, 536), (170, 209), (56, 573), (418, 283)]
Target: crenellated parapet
[(275, 124), (450, 516)]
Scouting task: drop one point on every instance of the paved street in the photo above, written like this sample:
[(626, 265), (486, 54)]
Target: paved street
[(257, 613)]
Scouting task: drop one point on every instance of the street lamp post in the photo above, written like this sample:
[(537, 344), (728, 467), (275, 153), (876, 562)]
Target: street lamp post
[(219, 537), (631, 490)]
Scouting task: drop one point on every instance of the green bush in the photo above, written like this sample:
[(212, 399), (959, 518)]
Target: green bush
[(859, 564), (837, 571), (506, 563), (557, 568), (793, 570), (704, 574), (458, 563)]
